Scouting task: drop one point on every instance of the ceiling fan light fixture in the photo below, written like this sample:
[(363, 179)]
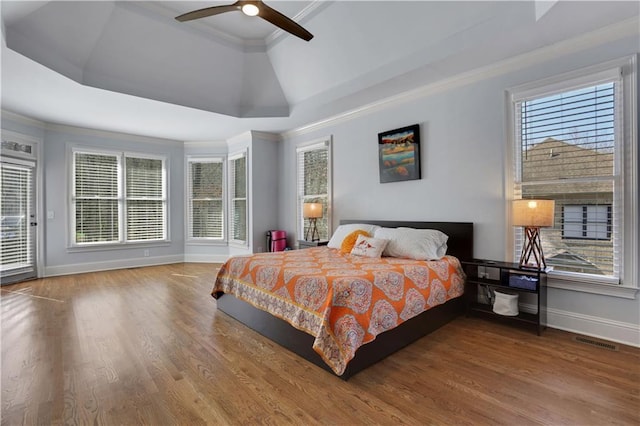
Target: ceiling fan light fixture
[(250, 9)]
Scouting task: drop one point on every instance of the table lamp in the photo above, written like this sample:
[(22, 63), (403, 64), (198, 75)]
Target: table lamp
[(533, 215), (312, 211)]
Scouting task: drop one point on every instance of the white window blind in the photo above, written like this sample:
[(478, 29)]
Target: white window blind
[(118, 198), (145, 199), (568, 150), (205, 198), (238, 198), (16, 244), (313, 183), (96, 198)]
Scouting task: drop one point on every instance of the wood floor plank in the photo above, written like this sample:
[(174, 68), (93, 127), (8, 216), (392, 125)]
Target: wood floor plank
[(147, 346)]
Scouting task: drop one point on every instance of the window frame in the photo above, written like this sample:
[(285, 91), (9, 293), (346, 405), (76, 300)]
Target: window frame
[(121, 199), (626, 71), (322, 143), (222, 159), (231, 198)]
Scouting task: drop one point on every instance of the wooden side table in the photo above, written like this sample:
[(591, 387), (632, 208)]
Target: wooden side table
[(498, 275)]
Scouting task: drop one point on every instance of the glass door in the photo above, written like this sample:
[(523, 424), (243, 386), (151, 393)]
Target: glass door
[(18, 221)]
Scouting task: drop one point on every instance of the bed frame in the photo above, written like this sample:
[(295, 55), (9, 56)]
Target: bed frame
[(460, 244)]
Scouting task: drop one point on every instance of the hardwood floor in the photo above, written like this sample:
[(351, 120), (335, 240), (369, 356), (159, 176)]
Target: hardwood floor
[(146, 346)]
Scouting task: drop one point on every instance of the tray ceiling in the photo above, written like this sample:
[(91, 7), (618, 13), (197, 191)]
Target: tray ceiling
[(238, 73)]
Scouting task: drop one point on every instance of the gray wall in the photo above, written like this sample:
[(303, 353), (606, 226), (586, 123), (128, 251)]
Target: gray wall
[(58, 258), (464, 139), (463, 129), (264, 189)]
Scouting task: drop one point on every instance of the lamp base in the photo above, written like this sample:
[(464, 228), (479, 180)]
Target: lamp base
[(532, 247), (315, 235)]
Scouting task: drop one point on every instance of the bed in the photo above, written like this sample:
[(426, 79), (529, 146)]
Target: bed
[(247, 287)]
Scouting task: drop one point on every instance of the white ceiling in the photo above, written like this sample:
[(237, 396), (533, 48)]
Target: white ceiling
[(130, 67)]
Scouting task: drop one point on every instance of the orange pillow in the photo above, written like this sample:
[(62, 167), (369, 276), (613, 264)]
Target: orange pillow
[(350, 240)]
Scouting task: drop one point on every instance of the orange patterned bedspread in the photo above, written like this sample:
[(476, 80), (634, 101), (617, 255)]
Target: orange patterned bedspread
[(343, 301)]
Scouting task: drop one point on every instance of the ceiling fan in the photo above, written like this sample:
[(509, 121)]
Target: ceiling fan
[(252, 8)]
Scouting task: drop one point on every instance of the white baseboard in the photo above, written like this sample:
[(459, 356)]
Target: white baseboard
[(602, 328), (80, 268), (206, 258)]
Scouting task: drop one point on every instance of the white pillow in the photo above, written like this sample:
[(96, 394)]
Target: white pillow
[(344, 230), (369, 247), (419, 244)]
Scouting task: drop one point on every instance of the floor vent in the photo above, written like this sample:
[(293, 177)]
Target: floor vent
[(596, 343)]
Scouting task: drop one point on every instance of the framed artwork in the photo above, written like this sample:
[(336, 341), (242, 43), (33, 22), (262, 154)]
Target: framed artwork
[(399, 154)]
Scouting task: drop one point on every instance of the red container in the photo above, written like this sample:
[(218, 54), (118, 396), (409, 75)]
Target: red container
[(276, 240)]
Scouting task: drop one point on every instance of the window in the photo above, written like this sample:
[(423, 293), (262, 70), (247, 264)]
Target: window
[(569, 145), (586, 222), (238, 198), (205, 198), (145, 199), (118, 198), (16, 244), (314, 183)]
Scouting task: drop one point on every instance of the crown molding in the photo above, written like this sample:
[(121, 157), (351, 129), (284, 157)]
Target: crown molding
[(205, 144), (598, 37), (22, 119), (302, 16), (158, 11), (65, 128), (273, 137)]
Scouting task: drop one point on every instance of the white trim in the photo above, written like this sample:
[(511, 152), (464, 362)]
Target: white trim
[(215, 145), (599, 37), (315, 144), (80, 268), (121, 156), (197, 27), (13, 116), (572, 80), (588, 325), (273, 137), (36, 159), (128, 137), (307, 11), (205, 158), (623, 72), (206, 258), (632, 159), (233, 156), (594, 287), (11, 136)]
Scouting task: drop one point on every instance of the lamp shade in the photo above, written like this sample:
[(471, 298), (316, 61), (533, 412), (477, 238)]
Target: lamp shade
[(312, 210), (533, 213)]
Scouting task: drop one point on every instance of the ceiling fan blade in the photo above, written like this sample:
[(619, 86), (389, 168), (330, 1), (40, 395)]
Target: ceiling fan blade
[(279, 20), (208, 11)]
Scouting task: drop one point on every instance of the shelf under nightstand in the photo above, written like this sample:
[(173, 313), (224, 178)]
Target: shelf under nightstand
[(498, 275)]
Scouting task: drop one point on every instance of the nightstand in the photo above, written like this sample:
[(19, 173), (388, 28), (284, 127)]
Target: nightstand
[(303, 244), (484, 276)]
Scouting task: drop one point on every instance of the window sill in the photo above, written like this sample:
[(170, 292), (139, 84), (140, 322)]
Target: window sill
[(117, 246), (590, 285), (206, 242)]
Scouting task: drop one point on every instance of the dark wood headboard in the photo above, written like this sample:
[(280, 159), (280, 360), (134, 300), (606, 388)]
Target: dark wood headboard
[(460, 242)]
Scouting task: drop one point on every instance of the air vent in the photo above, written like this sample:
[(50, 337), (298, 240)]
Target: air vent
[(596, 343)]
